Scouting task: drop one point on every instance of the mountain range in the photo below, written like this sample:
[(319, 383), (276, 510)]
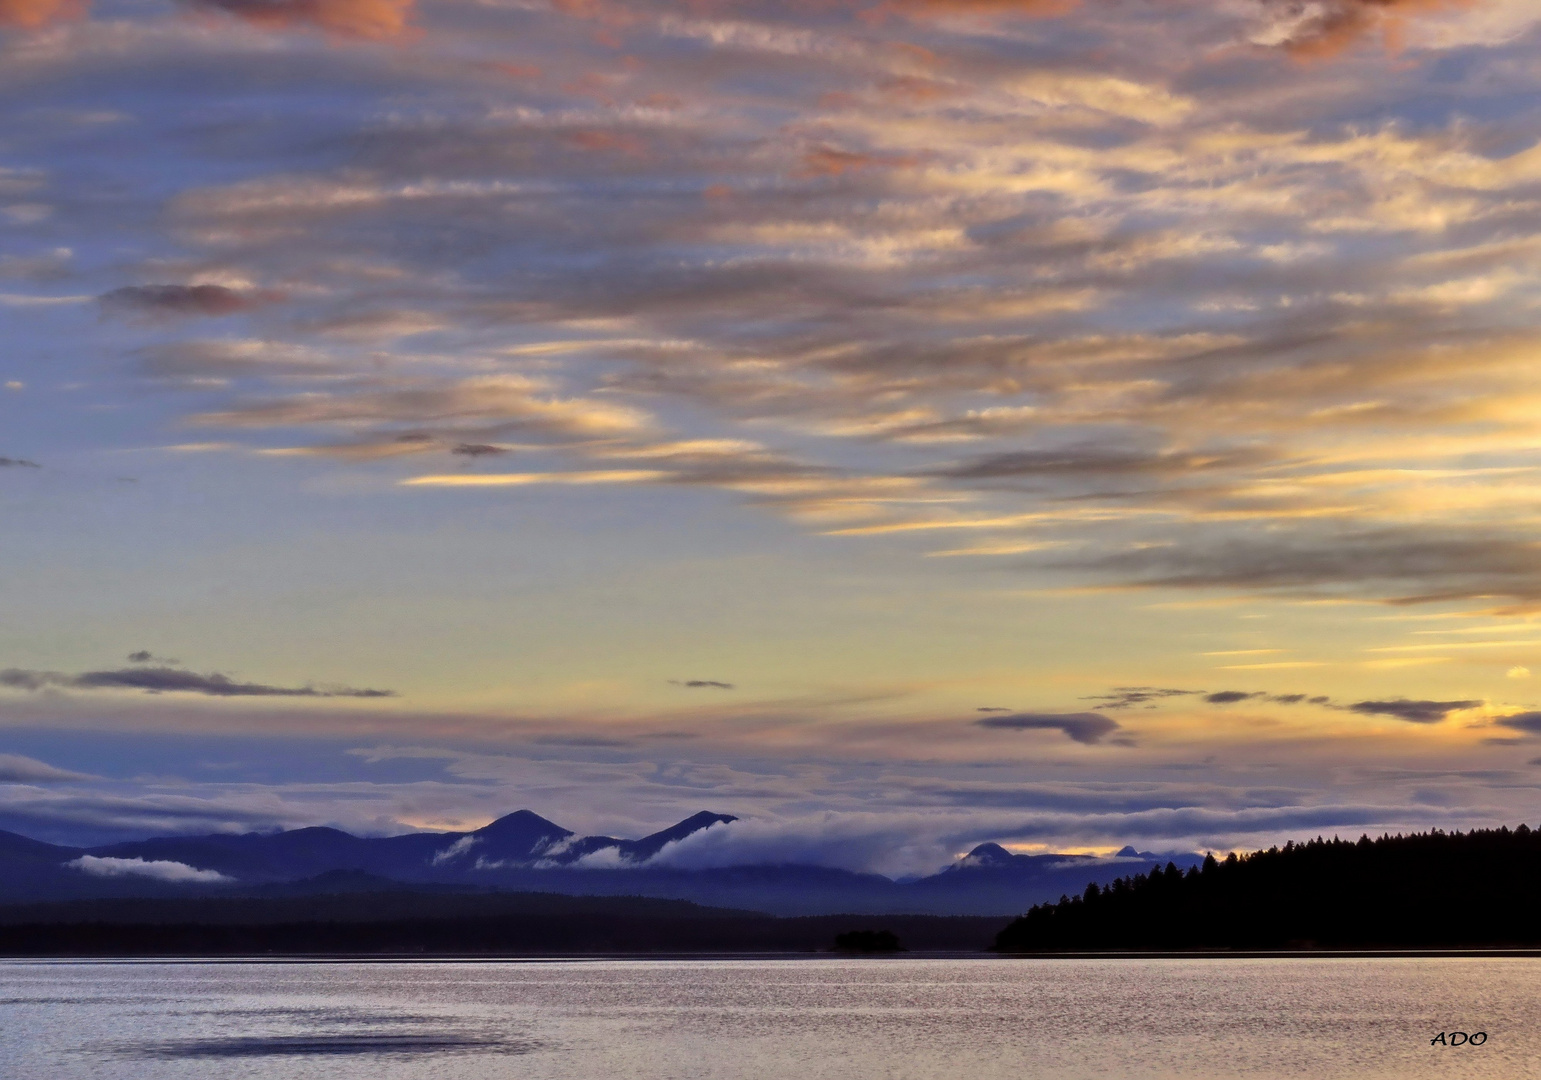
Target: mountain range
[(524, 852)]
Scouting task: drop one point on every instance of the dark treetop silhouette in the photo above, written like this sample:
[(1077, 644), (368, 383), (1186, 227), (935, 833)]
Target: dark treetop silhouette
[(1428, 890)]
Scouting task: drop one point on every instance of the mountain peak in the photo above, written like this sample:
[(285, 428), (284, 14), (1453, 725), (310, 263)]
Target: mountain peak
[(988, 855), (705, 819), (522, 820), (523, 834), (648, 846)]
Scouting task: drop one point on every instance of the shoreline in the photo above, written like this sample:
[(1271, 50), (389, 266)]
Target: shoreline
[(533, 958)]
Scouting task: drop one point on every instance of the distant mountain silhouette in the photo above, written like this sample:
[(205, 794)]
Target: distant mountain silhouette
[(449, 924), (525, 839), (524, 852), (1427, 890)]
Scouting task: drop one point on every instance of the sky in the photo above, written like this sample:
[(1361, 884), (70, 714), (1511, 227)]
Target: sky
[(901, 424)]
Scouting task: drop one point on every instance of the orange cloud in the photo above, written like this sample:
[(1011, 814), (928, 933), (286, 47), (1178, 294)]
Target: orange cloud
[(30, 13), (368, 19)]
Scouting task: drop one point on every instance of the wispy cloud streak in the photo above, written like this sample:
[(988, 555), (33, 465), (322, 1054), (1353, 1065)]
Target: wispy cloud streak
[(167, 680)]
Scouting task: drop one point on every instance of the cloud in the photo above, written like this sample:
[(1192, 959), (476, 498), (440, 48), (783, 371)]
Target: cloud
[(16, 769), (18, 463), (455, 850), (1524, 721), (1205, 441), (1418, 712), (843, 841), (33, 13), (1181, 316), (831, 161), (103, 811), (1231, 697), (1087, 727), (511, 402), (899, 842), (1328, 27), (1413, 566), (1228, 697), (212, 300), (47, 266), (366, 19), (1415, 712), (1100, 461), (201, 360), (895, 797), (157, 680), (698, 684), (155, 869), (1127, 697)]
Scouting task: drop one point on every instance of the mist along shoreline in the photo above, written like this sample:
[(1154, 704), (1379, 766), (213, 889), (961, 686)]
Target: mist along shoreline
[(826, 955)]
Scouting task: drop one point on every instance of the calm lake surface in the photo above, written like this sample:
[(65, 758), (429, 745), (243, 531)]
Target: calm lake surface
[(895, 1019)]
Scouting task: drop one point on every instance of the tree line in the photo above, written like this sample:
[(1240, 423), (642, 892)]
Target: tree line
[(1425, 890)]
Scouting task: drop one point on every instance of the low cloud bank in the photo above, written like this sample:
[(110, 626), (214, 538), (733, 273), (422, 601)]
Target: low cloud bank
[(906, 843), (157, 870), (890, 843), (16, 769)]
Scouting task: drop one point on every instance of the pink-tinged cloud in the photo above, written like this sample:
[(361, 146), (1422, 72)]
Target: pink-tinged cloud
[(829, 161), (1321, 29), (1334, 26), (33, 13), (1341, 23), (371, 20), (912, 89), (366, 19), (607, 142), (1048, 8)]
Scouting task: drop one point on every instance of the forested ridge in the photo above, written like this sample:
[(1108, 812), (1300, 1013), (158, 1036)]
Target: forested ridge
[(1426, 890)]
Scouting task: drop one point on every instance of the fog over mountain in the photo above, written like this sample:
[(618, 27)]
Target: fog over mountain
[(524, 852)]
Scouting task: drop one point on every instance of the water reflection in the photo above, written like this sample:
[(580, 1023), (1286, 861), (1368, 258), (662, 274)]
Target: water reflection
[(352, 1043), (905, 1018)]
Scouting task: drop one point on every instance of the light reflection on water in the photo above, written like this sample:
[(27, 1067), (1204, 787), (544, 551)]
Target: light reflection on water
[(826, 1019)]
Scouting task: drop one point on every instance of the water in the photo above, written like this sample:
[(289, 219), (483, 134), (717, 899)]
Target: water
[(825, 1019)]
